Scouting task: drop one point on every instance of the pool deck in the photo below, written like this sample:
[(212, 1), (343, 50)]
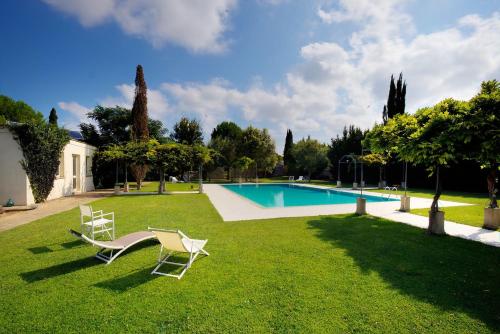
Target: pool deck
[(233, 207)]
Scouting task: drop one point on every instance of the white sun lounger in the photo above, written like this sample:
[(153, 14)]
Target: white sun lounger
[(116, 247), (176, 241)]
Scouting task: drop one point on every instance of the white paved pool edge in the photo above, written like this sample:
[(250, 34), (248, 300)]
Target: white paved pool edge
[(233, 207)]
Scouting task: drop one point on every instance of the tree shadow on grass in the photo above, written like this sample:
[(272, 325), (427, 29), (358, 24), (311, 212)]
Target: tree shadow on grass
[(450, 273), (59, 269), (127, 282)]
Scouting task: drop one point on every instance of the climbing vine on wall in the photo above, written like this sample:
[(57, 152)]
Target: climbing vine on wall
[(42, 145)]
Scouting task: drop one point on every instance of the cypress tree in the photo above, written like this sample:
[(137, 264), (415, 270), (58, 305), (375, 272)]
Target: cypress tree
[(288, 159), (140, 129), (396, 99), (53, 117)]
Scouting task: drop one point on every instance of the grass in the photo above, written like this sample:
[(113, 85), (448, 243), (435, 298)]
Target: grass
[(470, 215), (341, 274), (153, 186)]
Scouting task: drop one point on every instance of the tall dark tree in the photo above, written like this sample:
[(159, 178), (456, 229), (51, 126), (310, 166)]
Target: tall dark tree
[(188, 132), (53, 117), (140, 118), (140, 108), (288, 156), (396, 99)]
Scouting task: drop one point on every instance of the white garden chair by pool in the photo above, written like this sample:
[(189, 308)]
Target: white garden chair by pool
[(97, 222), (111, 249), (300, 178), (291, 178), (174, 241)]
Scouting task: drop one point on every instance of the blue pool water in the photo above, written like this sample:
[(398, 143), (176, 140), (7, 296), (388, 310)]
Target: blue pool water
[(283, 195)]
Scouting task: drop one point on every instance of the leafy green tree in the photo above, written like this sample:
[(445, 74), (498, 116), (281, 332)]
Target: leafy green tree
[(481, 132), (259, 146), (188, 132), (226, 139), (53, 117), (17, 111), (114, 153), (243, 165), (432, 140), (170, 158), (42, 145), (288, 158), (311, 155)]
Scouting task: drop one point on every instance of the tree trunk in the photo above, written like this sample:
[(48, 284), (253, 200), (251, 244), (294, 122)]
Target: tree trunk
[(139, 172), (436, 217), (309, 173), (380, 175), (435, 205), (125, 183), (116, 173), (491, 180), (161, 188)]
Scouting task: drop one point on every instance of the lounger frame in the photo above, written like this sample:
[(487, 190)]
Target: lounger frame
[(114, 251)]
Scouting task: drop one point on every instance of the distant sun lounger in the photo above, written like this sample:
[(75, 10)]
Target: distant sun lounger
[(110, 250)]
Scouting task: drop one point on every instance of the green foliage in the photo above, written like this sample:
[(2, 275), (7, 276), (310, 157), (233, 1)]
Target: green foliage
[(114, 127), (374, 159), (140, 117), (350, 142), (225, 140), (188, 132), (42, 145), (288, 158), (310, 155), (243, 163), (53, 117), (18, 111), (259, 146)]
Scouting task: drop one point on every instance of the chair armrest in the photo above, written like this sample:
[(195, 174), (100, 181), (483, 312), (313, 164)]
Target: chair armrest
[(108, 214), (97, 212)]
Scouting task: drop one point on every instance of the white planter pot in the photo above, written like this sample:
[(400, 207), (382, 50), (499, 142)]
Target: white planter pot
[(117, 190), (339, 184), (355, 185), (491, 218), (436, 223), (361, 206), (405, 204), (382, 184)]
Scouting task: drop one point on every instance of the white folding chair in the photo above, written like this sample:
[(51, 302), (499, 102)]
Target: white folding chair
[(177, 242), (97, 222)]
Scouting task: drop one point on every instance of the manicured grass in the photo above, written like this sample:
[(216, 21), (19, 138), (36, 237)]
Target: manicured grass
[(153, 186), (308, 275), (470, 215)]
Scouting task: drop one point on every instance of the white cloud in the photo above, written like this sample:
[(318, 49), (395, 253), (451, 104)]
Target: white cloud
[(76, 109), (197, 25)]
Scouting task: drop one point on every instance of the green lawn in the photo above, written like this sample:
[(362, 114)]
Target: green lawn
[(153, 186), (470, 215), (340, 274)]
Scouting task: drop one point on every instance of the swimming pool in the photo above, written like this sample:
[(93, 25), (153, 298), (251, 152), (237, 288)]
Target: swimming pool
[(283, 195)]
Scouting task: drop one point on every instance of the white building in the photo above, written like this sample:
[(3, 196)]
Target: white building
[(74, 175)]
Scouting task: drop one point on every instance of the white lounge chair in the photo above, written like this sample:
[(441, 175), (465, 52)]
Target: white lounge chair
[(300, 178), (291, 178), (99, 222), (176, 241), (111, 249)]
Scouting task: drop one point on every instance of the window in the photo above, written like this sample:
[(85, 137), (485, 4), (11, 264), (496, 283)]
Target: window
[(88, 165), (60, 169)]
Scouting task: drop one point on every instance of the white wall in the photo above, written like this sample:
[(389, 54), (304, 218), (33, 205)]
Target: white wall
[(13, 180), (63, 186)]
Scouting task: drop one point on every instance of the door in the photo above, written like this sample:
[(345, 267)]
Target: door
[(76, 173)]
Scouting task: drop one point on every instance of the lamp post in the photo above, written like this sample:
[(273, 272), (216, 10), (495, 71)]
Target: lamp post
[(360, 201)]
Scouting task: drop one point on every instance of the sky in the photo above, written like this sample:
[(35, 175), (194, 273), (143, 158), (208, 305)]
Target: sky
[(313, 66)]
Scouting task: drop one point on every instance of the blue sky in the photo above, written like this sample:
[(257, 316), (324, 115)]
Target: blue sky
[(312, 66)]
